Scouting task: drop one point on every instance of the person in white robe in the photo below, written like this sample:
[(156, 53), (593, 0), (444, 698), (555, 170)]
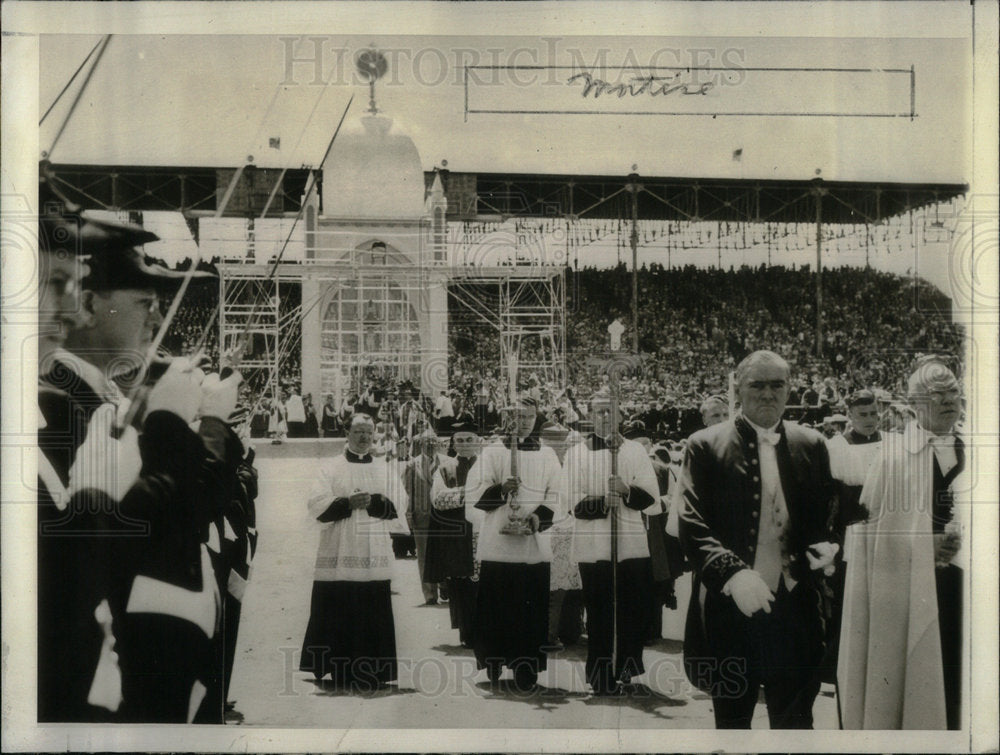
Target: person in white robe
[(852, 455), (901, 634), (351, 632), (596, 495), (512, 610)]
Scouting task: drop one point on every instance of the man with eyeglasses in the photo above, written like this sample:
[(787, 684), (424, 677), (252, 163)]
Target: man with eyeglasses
[(128, 604), (757, 498), (78, 674), (900, 658)]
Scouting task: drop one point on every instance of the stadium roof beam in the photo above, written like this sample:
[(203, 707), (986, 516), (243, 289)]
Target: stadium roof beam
[(471, 196)]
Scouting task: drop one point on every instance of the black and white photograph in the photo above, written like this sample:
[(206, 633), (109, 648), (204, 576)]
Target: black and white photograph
[(500, 376)]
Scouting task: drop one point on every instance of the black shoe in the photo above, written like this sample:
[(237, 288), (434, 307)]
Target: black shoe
[(525, 679), (493, 671), (431, 602), (614, 691)]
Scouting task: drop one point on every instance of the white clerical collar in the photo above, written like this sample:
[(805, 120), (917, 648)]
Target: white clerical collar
[(762, 430), (91, 375)]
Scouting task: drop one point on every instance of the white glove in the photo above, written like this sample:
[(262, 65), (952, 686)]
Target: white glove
[(750, 592), (103, 462), (178, 391), (219, 397), (821, 556)]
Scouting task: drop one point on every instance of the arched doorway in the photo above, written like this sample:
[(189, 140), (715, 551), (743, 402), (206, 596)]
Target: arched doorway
[(370, 333)]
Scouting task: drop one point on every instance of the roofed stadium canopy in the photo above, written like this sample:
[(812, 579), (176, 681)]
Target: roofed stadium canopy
[(272, 192)]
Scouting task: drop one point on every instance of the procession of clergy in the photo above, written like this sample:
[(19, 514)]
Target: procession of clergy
[(764, 512), (811, 560)]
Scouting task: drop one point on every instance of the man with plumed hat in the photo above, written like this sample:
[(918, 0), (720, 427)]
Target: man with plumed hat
[(596, 495), (900, 662), (757, 501), (67, 660), (127, 533), (834, 425), (511, 624), (450, 547)]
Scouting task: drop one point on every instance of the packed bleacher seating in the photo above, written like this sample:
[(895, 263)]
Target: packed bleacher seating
[(694, 324)]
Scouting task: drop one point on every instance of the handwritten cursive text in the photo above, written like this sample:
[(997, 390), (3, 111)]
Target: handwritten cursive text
[(653, 86)]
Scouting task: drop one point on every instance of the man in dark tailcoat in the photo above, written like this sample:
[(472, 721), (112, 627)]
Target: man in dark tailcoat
[(755, 525)]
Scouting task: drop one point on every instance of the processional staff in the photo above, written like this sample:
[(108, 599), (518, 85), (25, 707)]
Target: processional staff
[(613, 364), (516, 524)]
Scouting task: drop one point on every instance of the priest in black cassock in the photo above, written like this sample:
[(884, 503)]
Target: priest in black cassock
[(450, 555), (351, 633)]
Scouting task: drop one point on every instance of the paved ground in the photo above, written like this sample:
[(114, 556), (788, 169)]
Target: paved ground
[(439, 686)]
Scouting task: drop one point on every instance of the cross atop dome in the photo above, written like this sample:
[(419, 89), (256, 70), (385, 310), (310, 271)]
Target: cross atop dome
[(371, 66)]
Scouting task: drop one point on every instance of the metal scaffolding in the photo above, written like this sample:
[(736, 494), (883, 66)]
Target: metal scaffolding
[(527, 311), (250, 309), (524, 305)]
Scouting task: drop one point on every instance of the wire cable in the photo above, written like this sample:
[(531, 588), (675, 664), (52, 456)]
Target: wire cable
[(79, 95), (70, 82)]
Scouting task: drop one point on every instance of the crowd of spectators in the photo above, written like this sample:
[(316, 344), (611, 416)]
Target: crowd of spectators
[(196, 322), (695, 325)]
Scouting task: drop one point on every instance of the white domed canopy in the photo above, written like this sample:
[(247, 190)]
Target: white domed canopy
[(373, 173)]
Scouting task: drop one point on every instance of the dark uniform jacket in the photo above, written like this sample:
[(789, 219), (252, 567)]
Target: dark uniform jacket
[(143, 555), (721, 512), (71, 568)]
